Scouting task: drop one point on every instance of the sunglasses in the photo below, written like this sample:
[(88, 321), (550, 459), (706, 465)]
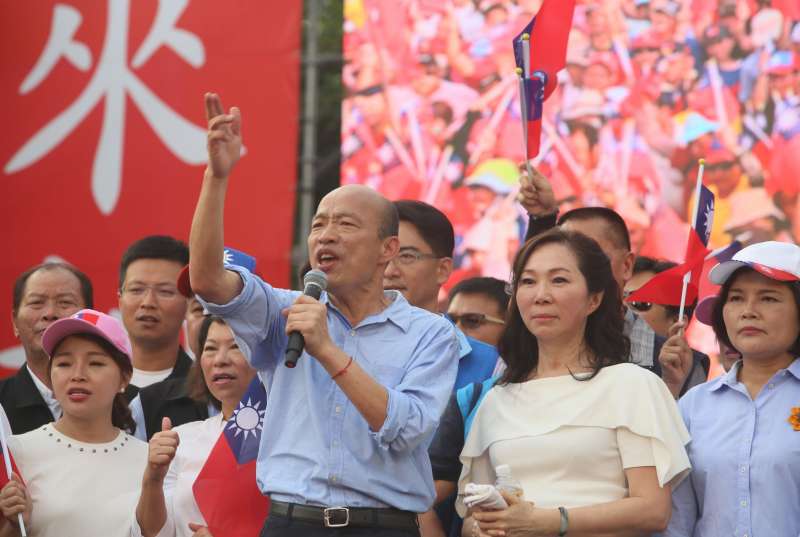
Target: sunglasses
[(641, 307), (471, 321)]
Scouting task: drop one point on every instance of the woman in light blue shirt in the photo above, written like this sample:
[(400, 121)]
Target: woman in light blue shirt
[(745, 425)]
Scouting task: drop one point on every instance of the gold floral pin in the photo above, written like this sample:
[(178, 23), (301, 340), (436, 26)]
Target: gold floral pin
[(794, 418)]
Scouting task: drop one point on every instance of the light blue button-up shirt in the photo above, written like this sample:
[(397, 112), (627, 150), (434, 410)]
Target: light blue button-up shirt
[(745, 479), (316, 448)]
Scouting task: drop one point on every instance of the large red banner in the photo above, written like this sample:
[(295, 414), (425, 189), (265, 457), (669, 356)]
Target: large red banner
[(105, 130)]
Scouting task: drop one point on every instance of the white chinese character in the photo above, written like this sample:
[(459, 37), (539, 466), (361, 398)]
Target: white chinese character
[(112, 81)]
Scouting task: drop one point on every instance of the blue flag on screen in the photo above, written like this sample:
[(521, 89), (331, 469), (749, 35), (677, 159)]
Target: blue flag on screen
[(725, 253), (243, 429), (705, 215)]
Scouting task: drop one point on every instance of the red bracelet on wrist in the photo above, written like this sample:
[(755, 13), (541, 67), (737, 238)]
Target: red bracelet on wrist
[(343, 370)]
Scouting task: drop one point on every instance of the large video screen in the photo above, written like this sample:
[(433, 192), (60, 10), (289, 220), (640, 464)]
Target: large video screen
[(432, 113)]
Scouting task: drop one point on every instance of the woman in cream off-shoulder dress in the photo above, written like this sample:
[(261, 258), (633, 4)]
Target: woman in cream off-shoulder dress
[(596, 443)]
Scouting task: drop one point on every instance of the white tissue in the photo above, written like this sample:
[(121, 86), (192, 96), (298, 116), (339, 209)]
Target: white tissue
[(483, 496)]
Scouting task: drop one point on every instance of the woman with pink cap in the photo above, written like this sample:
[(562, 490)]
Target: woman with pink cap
[(745, 425), (80, 475)]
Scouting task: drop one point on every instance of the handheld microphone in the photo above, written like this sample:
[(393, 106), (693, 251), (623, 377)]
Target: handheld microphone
[(314, 282)]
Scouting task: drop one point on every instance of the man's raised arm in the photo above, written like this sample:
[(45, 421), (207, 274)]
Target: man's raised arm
[(207, 272)]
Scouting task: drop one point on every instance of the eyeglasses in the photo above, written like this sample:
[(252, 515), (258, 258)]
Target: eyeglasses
[(408, 257), (641, 307), (471, 321), (139, 291)]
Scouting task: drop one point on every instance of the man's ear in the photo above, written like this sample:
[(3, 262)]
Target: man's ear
[(444, 270), (627, 266), (14, 323), (389, 249)]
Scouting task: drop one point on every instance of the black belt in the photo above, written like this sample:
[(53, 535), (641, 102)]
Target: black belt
[(339, 517)]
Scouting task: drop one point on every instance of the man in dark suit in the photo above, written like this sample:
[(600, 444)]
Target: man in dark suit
[(42, 295)]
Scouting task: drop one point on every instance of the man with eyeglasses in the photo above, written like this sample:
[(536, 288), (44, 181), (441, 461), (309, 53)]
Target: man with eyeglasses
[(422, 265), (153, 309)]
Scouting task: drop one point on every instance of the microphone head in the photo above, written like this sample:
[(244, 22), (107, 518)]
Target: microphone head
[(315, 278)]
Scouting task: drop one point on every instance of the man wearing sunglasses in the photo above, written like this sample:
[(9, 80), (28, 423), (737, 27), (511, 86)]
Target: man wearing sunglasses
[(478, 306), (675, 357)]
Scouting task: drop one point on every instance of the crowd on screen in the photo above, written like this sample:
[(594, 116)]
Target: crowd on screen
[(649, 87), (532, 400)]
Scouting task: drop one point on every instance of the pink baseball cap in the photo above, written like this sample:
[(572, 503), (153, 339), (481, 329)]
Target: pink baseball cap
[(776, 260), (87, 322)]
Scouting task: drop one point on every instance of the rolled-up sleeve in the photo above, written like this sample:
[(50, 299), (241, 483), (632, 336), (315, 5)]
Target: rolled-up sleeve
[(255, 318), (416, 404)]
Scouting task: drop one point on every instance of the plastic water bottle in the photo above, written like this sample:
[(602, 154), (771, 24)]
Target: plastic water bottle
[(506, 483)]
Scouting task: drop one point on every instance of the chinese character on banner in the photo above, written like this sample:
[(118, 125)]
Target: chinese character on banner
[(106, 134)]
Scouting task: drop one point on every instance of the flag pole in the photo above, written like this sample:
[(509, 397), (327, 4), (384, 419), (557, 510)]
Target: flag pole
[(9, 471), (688, 276), (525, 74)]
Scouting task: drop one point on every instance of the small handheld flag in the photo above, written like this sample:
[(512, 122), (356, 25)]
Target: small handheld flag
[(8, 463), (680, 284), (702, 222), (540, 51)]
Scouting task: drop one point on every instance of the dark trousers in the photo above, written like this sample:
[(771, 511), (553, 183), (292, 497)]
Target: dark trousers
[(281, 526)]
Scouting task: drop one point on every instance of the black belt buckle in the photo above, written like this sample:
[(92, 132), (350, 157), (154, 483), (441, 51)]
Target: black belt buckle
[(336, 517)]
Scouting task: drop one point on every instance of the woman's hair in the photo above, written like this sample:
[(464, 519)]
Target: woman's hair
[(603, 336), (196, 385), (120, 412), (718, 321)]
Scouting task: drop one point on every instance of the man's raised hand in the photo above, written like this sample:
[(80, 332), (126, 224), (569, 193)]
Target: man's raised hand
[(224, 136), (535, 192)]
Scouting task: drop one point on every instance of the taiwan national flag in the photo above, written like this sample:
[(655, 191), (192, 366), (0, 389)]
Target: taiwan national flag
[(5, 431), (226, 489), (546, 54), (666, 287)]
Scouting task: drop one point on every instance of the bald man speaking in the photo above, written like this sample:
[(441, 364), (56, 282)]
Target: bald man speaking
[(346, 431)]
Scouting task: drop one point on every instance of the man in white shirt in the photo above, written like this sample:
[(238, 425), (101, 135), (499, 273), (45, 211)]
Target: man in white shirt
[(153, 309), (41, 295)]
